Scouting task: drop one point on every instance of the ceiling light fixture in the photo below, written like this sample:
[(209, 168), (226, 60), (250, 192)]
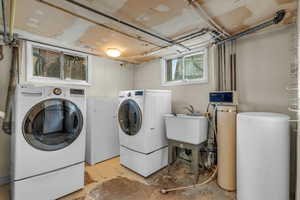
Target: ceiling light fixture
[(112, 52)]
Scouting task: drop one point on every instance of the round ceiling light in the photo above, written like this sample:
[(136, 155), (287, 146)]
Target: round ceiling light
[(112, 52)]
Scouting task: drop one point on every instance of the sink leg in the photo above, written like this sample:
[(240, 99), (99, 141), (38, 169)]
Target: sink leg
[(171, 154), (195, 162)]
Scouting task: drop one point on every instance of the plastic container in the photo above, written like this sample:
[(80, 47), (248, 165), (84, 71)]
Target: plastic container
[(263, 156)]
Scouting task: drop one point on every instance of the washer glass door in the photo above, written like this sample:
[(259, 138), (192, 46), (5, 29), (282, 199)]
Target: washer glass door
[(52, 124), (130, 117)]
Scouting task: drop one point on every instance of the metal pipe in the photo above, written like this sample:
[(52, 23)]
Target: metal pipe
[(5, 38), (192, 36), (174, 41), (188, 37), (157, 51), (277, 19), (224, 67), (125, 23), (97, 23), (13, 81), (204, 30), (234, 68), (12, 19), (231, 65)]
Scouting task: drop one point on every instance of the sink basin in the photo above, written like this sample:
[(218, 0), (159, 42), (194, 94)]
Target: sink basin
[(185, 128)]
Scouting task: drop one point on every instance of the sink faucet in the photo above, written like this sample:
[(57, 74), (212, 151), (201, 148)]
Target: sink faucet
[(190, 109)]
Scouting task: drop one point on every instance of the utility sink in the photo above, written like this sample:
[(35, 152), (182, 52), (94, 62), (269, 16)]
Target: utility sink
[(186, 128)]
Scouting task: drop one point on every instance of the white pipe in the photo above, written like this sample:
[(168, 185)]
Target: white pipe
[(210, 21)]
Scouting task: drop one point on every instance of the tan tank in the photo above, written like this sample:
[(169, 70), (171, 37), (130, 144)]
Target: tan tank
[(226, 141)]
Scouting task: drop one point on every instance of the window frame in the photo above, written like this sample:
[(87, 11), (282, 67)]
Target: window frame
[(31, 78), (185, 81)]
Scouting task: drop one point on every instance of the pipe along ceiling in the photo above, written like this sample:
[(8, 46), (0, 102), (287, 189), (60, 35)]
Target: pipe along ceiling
[(217, 36)]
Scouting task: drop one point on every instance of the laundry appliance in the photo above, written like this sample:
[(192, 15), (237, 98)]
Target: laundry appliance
[(142, 132), (102, 138), (48, 142)]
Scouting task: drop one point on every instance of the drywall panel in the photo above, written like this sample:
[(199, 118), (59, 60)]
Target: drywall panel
[(101, 39)]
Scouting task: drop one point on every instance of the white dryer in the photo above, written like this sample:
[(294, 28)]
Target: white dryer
[(142, 130), (48, 142)]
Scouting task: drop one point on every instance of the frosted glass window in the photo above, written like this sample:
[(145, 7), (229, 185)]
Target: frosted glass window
[(50, 64), (75, 67), (46, 63)]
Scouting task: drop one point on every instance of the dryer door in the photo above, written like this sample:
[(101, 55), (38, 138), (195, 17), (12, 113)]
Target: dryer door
[(130, 117), (52, 124)]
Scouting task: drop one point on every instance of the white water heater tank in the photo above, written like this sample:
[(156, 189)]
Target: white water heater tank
[(263, 156)]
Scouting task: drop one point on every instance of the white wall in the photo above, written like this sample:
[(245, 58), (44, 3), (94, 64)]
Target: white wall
[(148, 76), (108, 77), (263, 62)]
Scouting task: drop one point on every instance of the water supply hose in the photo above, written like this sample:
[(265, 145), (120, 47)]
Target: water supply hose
[(211, 178)]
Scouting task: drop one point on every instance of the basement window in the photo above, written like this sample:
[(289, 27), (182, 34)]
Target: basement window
[(185, 69), (55, 65)]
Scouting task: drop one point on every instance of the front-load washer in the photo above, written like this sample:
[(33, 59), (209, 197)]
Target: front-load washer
[(142, 130), (48, 142)]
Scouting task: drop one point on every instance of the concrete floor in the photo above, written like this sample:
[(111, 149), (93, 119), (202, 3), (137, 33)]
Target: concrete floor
[(110, 181)]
